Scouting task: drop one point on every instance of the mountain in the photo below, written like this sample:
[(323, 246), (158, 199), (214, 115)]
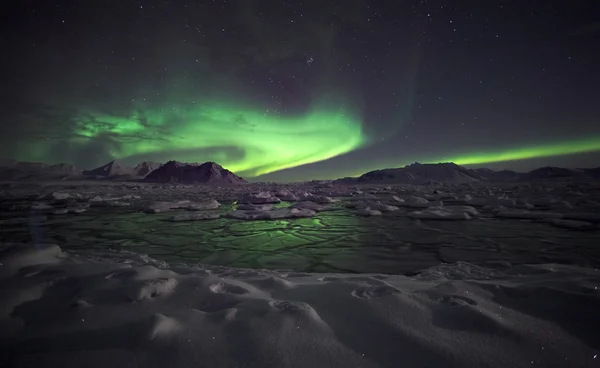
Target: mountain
[(111, 170), (7, 162), (497, 176), (553, 173), (208, 172), (38, 171), (64, 170), (422, 173), (449, 172), (484, 172), (144, 168), (592, 173)]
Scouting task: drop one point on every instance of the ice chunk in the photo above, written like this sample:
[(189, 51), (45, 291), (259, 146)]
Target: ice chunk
[(279, 213)]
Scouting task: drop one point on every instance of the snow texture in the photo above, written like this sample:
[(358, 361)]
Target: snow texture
[(71, 311)]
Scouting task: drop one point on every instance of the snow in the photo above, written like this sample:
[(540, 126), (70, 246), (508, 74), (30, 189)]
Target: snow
[(70, 311)]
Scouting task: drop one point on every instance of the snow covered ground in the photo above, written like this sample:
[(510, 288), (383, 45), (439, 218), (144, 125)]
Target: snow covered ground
[(417, 276)]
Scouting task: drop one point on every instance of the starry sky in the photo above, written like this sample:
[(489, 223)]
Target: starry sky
[(298, 90)]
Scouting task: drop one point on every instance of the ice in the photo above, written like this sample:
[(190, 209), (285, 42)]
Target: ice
[(376, 207), (166, 206), (321, 199), (413, 201), (571, 224), (41, 207), (159, 207), (195, 216), (287, 196), (259, 198), (209, 204), (255, 207), (440, 213), (57, 195), (368, 212), (280, 213), (312, 206), (525, 214)]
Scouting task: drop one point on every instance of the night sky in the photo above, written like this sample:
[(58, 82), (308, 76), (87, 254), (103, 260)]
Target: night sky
[(298, 90)]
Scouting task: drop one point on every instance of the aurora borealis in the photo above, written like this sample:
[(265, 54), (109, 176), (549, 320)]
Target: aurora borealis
[(546, 150), (280, 91), (266, 142)]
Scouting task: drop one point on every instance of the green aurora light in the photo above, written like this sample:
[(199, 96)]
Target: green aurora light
[(529, 152), (267, 140)]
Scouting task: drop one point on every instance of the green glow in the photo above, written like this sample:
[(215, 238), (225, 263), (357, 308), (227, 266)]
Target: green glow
[(246, 141), (524, 153)]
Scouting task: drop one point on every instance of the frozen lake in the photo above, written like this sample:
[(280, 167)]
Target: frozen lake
[(335, 239)]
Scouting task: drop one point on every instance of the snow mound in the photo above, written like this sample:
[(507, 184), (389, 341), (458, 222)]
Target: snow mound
[(18, 257)]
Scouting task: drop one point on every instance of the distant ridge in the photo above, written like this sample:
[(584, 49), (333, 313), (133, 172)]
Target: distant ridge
[(422, 173), (38, 171), (449, 172), (211, 172)]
